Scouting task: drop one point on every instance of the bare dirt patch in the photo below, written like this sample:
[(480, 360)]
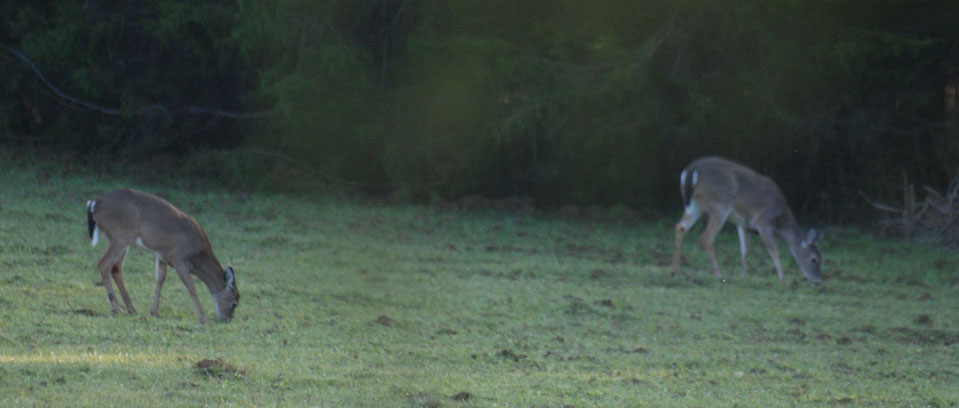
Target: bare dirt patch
[(910, 280), (943, 264), (85, 312), (605, 303), (53, 250), (424, 401), (510, 205), (385, 320), (839, 275), (925, 336), (275, 241), (447, 332), (509, 354), (590, 252), (462, 396), (217, 368)]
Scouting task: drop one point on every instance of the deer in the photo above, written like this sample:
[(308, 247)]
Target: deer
[(129, 217), (730, 191)]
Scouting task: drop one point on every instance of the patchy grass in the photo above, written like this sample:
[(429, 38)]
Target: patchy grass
[(366, 305)]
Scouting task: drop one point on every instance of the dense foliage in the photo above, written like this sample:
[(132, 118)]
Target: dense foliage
[(563, 101), (144, 77)]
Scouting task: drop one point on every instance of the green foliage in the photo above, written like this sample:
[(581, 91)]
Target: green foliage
[(606, 101), (563, 101), (352, 304), (145, 67)]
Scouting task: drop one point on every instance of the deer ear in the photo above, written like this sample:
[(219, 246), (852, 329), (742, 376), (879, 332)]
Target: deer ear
[(812, 238), (230, 277)]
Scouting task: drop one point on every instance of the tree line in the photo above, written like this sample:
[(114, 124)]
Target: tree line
[(562, 101)]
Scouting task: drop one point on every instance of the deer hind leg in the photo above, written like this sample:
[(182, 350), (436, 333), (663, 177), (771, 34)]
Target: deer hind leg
[(716, 221), (183, 271), (110, 261), (769, 240), (743, 245), (117, 273), (690, 216), (161, 277)]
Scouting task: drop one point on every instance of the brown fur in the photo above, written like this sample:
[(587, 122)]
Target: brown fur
[(131, 217), (727, 190)]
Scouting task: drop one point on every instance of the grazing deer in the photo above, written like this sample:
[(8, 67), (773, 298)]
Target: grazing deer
[(130, 217), (727, 190)]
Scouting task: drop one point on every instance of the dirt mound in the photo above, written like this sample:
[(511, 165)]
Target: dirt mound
[(217, 368)]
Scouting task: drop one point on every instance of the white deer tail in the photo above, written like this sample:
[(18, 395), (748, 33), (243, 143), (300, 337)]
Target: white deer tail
[(92, 229)]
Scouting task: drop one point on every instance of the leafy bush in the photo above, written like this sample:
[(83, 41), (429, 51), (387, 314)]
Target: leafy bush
[(560, 101), (133, 79)]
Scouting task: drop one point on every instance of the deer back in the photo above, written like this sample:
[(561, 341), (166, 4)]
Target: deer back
[(134, 217), (718, 184)]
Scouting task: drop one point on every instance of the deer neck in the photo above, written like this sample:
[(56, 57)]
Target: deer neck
[(790, 232), (208, 270)]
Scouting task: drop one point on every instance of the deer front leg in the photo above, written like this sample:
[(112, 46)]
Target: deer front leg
[(680, 232), (769, 240), (161, 277), (743, 246), (716, 222), (183, 271)]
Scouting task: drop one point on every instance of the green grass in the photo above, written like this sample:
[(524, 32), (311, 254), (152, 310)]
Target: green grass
[(349, 303)]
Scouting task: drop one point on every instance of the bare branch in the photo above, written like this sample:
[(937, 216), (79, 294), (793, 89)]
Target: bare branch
[(57, 91), (931, 220), (878, 205), (11, 136), (196, 110), (143, 111)]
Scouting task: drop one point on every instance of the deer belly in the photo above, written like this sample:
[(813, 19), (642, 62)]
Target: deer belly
[(742, 221), (157, 254), (738, 219)]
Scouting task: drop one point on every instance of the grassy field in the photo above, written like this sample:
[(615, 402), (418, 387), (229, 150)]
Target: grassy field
[(355, 304)]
